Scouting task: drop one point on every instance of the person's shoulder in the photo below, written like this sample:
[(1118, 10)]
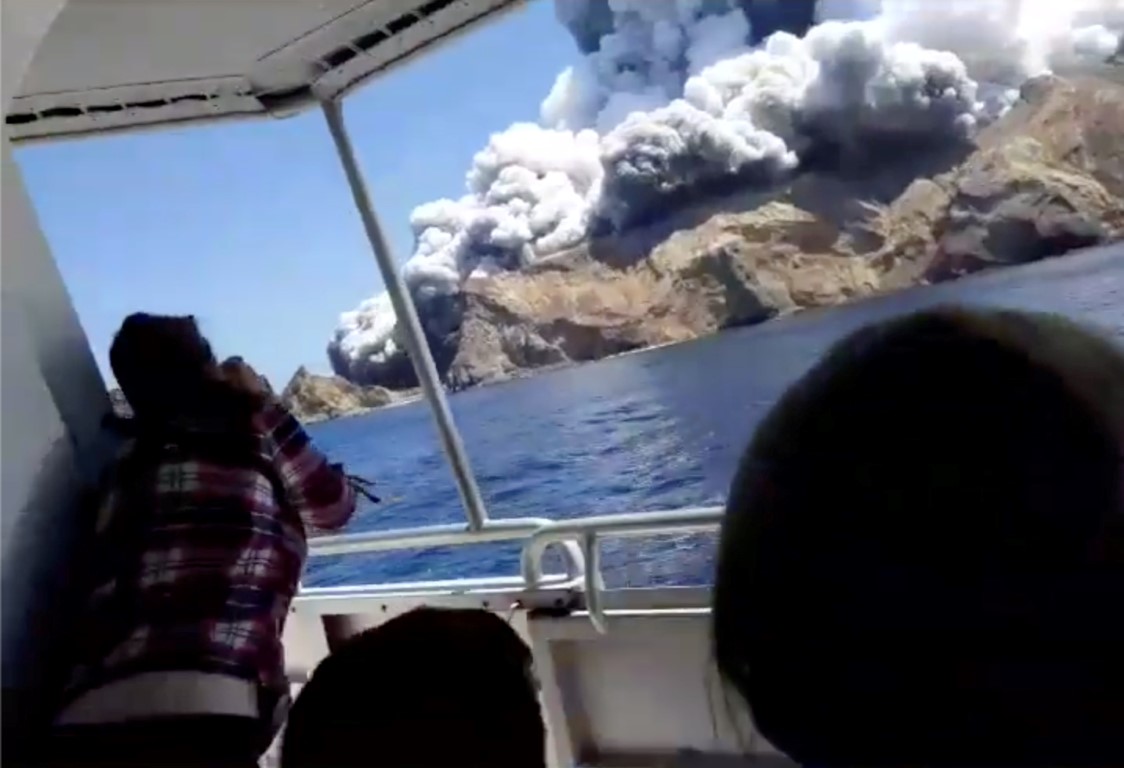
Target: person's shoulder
[(272, 415), (280, 429)]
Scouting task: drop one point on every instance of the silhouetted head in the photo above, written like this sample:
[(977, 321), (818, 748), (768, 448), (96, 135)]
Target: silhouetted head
[(166, 369), (922, 561), (428, 689)]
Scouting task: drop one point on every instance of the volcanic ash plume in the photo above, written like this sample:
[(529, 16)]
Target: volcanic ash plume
[(671, 98)]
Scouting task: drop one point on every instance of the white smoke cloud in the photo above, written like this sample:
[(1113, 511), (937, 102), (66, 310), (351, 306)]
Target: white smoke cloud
[(367, 332), (670, 96), (530, 192)]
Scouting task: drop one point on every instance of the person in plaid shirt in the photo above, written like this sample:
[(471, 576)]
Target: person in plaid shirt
[(201, 541)]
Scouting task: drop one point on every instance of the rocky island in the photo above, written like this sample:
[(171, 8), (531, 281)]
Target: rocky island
[(313, 398), (1044, 179)]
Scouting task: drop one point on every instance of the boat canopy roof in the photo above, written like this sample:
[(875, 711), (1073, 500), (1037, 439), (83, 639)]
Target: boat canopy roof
[(108, 65)]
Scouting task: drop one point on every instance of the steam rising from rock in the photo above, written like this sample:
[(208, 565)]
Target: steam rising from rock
[(671, 98)]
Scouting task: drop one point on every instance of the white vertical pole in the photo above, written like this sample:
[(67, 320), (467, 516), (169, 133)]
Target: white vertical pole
[(408, 322)]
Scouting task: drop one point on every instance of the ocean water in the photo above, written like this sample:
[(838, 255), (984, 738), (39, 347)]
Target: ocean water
[(653, 430)]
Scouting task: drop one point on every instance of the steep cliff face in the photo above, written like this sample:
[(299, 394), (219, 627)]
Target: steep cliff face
[(314, 398), (732, 270), (1046, 179)]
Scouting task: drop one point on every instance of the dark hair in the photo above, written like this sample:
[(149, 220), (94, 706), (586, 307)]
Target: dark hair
[(166, 370), (428, 689), (921, 561)]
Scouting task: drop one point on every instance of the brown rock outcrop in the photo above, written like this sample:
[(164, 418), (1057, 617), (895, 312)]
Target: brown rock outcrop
[(734, 269), (315, 398)]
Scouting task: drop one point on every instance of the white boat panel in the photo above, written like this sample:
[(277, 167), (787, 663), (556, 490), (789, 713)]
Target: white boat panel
[(52, 401), (306, 645), (24, 23), (646, 693), (40, 478), (31, 279), (114, 64), (96, 44), (51, 398)]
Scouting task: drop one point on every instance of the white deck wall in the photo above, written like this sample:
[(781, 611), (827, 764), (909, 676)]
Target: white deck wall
[(52, 401)]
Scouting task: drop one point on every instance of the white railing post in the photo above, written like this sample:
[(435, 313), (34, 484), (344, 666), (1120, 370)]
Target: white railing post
[(408, 322), (573, 530)]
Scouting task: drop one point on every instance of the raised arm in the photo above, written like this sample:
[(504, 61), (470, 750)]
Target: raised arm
[(319, 490)]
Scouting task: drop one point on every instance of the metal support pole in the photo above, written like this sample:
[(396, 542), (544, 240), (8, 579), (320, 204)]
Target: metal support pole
[(594, 582), (408, 322)]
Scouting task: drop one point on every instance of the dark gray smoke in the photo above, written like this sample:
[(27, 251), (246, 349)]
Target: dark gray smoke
[(589, 21)]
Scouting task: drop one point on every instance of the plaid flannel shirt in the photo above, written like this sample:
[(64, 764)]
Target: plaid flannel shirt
[(202, 551)]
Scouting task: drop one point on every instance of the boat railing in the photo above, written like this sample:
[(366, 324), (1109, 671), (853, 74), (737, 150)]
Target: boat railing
[(578, 538)]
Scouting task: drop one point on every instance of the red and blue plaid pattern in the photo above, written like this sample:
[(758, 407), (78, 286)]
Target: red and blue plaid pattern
[(203, 551)]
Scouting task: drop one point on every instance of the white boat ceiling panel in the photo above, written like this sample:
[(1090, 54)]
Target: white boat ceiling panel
[(114, 64)]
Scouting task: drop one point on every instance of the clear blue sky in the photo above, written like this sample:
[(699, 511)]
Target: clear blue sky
[(250, 225)]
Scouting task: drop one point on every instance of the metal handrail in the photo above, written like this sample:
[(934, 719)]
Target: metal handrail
[(587, 531), (559, 592), (539, 532), (683, 520), (466, 585), (452, 534), (594, 582), (579, 539), (425, 536)]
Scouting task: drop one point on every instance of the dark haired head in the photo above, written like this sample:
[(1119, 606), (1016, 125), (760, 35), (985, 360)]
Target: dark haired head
[(166, 370), (428, 689), (921, 561)]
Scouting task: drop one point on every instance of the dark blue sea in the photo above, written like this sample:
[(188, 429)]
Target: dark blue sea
[(653, 430)]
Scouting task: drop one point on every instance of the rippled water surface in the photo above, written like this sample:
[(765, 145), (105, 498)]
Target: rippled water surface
[(653, 430)]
